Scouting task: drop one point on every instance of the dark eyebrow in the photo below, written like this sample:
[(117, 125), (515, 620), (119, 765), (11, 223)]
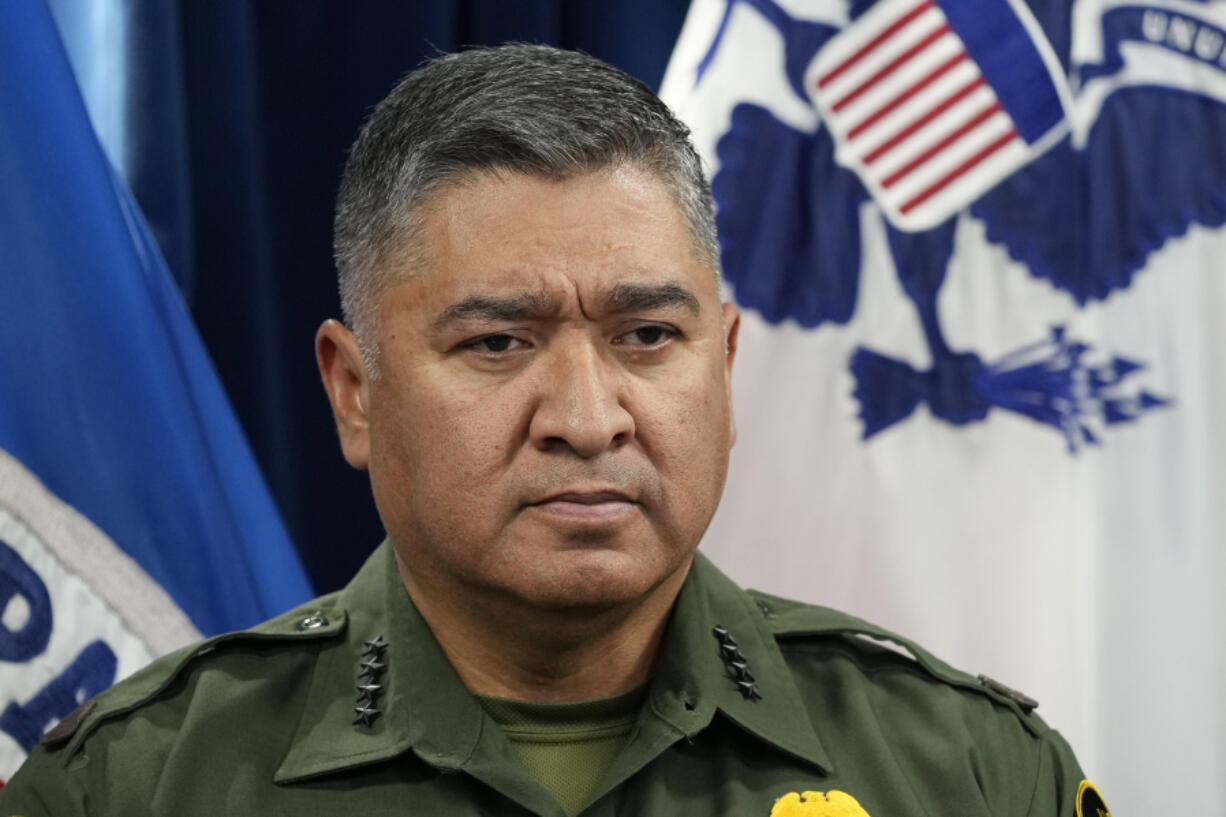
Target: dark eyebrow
[(647, 297), (494, 309)]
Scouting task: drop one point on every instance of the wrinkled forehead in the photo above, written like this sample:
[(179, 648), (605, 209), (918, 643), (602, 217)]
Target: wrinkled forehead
[(504, 230), (447, 206)]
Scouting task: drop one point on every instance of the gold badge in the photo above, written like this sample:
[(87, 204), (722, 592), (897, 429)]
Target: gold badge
[(1089, 802), (832, 803)]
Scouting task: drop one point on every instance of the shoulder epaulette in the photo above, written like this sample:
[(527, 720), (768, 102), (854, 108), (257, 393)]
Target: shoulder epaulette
[(321, 618), (793, 619)]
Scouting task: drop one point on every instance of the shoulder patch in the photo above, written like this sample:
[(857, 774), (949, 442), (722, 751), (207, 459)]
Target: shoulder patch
[(790, 619), (1089, 802)]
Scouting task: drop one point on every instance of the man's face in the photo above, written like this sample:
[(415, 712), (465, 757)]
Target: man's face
[(552, 418)]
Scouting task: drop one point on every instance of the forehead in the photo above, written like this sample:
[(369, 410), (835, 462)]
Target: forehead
[(587, 234)]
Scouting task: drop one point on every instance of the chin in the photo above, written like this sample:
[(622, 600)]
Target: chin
[(595, 579)]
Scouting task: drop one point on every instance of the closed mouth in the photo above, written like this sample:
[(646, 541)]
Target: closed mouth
[(586, 497), (586, 508)]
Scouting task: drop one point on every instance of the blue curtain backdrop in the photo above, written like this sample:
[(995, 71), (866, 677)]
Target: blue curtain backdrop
[(231, 121)]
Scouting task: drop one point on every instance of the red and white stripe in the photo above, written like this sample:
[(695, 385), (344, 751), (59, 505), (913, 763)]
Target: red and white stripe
[(911, 114)]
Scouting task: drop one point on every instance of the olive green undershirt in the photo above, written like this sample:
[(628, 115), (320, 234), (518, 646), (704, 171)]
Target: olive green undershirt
[(567, 748)]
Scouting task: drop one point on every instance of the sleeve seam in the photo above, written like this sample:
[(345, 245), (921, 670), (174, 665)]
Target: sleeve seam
[(1038, 776)]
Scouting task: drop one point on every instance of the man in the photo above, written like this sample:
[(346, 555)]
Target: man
[(536, 373)]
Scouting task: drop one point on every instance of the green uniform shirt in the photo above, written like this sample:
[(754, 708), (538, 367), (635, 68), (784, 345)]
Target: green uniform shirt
[(567, 748), (752, 698)]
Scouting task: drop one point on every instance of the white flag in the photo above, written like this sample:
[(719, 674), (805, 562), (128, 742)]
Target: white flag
[(981, 404)]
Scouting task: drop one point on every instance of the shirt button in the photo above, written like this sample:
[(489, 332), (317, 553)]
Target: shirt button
[(312, 622)]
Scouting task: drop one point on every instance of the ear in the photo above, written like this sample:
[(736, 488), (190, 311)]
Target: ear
[(345, 380), (732, 328)]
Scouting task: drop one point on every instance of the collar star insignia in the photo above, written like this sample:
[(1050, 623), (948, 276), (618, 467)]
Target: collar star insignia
[(371, 668), (364, 715), (369, 692), (748, 690), (735, 664), (369, 688)]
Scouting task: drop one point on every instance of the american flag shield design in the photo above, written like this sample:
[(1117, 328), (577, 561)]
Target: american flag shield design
[(932, 103)]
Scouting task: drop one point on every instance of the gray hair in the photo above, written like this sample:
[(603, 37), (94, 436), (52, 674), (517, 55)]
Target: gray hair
[(526, 108)]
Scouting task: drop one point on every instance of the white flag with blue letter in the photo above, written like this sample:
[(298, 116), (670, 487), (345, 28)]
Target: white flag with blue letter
[(980, 252), (133, 518)]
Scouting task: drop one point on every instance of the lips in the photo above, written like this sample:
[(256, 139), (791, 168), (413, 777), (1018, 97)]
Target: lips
[(586, 497), (586, 507)]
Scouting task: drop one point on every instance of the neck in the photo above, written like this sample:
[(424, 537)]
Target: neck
[(502, 648)]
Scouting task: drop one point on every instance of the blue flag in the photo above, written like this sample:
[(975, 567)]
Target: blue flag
[(133, 517)]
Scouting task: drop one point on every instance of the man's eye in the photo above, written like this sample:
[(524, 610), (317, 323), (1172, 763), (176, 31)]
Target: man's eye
[(495, 343), (650, 335)]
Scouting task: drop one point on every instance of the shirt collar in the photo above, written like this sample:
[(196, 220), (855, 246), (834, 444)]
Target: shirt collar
[(696, 673), (423, 704)]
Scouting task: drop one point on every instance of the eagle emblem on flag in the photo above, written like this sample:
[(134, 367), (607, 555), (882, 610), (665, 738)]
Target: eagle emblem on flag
[(1080, 137)]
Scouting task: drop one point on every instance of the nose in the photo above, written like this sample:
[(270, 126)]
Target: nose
[(580, 407)]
